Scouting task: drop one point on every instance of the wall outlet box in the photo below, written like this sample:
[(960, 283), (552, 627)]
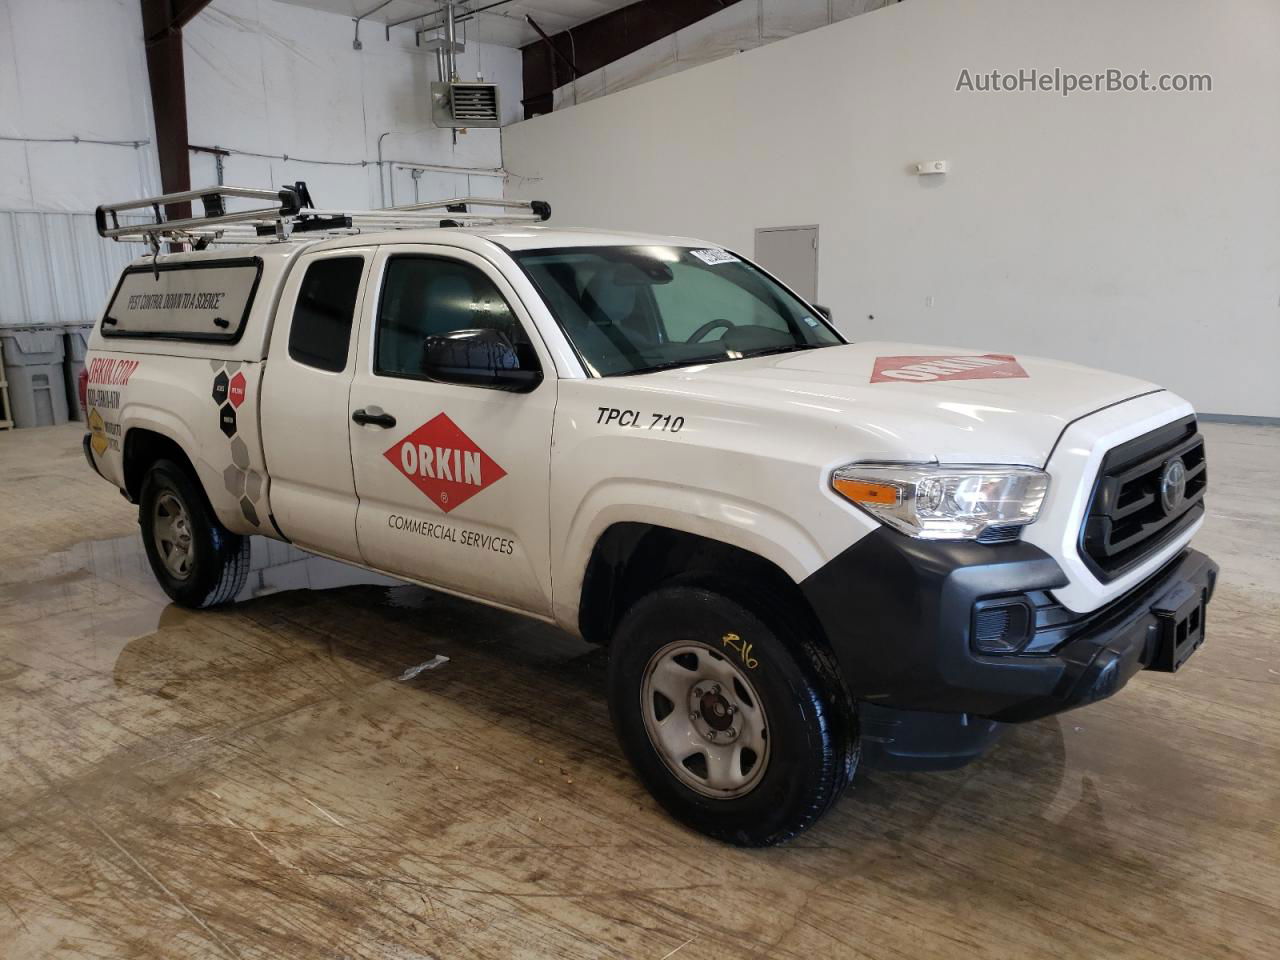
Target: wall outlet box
[(929, 168)]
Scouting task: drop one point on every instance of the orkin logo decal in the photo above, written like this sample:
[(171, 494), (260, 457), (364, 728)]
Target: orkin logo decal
[(987, 366), (111, 372), (444, 463)]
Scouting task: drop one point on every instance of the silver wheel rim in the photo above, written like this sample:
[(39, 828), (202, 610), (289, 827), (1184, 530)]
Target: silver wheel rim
[(705, 720), (171, 530)]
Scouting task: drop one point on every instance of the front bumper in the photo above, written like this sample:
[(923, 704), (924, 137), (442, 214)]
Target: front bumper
[(899, 614)]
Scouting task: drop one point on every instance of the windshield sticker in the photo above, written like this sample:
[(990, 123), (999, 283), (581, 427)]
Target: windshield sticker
[(987, 366), (444, 463), (713, 257), (810, 321)]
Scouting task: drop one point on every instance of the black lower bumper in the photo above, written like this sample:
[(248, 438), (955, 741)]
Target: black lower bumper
[(900, 615)]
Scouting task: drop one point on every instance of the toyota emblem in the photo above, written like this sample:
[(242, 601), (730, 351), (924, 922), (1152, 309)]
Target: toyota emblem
[(1173, 485)]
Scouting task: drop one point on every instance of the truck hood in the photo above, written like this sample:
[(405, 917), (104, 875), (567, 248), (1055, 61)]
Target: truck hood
[(1009, 409)]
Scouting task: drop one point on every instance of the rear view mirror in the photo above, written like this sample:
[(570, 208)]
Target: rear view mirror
[(477, 358), (825, 311)]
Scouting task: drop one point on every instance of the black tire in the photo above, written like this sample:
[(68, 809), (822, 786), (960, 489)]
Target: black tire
[(218, 564), (812, 726)]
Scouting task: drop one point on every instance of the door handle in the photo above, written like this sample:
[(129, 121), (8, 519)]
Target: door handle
[(373, 416)]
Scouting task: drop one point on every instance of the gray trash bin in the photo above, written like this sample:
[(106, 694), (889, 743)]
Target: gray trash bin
[(77, 347), (33, 367)]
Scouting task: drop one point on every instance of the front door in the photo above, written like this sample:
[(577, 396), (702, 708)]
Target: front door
[(452, 479)]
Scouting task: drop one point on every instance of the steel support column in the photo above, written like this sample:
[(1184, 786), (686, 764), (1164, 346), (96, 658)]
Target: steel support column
[(162, 23)]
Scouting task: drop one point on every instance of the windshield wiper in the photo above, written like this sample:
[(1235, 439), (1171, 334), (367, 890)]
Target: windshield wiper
[(672, 365), (789, 348), (737, 355)]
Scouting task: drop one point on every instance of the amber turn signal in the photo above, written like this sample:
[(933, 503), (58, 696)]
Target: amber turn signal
[(860, 491)]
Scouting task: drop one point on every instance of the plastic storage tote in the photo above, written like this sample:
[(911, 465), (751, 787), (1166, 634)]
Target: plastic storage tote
[(33, 367)]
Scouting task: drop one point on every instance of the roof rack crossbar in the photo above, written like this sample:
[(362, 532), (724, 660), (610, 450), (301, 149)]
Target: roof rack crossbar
[(296, 215), (214, 201), (464, 201), (539, 209)]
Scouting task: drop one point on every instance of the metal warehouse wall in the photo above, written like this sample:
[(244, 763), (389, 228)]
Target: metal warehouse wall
[(734, 29), (264, 80), (72, 75), (54, 268)]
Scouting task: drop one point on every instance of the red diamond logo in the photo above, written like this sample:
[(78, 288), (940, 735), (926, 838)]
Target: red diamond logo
[(444, 463)]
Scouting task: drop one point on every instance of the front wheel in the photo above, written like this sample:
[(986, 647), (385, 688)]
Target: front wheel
[(197, 561), (738, 728)]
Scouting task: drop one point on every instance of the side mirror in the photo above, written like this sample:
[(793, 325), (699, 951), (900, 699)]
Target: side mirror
[(825, 311), (477, 358)]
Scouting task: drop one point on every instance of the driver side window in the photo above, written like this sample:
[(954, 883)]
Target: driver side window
[(698, 296), (433, 296)]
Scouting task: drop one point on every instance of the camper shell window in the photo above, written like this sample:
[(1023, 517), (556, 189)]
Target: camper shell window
[(208, 301)]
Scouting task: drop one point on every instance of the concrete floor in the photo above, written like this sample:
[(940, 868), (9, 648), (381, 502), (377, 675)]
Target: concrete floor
[(273, 781)]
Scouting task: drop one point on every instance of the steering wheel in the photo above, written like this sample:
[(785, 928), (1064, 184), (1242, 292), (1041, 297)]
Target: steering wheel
[(700, 334)]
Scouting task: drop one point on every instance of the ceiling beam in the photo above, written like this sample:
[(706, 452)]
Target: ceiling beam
[(591, 45), (164, 16)]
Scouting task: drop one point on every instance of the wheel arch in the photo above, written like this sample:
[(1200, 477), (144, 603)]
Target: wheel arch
[(143, 446), (631, 559)]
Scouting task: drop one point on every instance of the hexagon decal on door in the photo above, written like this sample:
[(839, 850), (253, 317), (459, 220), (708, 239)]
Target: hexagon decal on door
[(236, 390), (233, 477)]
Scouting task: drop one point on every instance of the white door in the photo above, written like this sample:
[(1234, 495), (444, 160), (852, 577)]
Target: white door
[(452, 479), (791, 255), (305, 391)]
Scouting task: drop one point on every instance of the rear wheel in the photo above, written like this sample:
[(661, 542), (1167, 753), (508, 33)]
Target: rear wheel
[(197, 561), (739, 728)]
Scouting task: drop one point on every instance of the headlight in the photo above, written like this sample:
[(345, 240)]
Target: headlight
[(944, 503)]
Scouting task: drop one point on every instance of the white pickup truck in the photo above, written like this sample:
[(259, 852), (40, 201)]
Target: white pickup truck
[(799, 550)]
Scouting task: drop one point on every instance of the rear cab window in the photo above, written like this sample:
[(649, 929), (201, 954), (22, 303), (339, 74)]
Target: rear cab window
[(198, 301), (320, 332)]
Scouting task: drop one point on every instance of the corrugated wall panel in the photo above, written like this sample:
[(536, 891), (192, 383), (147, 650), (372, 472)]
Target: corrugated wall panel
[(55, 269), (12, 300)]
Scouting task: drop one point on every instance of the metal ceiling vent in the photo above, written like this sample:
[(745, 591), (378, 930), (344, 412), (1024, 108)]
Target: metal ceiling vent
[(455, 104)]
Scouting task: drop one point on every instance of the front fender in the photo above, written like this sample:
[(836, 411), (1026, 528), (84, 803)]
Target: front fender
[(757, 528)]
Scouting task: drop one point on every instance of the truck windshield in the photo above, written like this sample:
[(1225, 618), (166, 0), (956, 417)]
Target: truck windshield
[(637, 309)]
